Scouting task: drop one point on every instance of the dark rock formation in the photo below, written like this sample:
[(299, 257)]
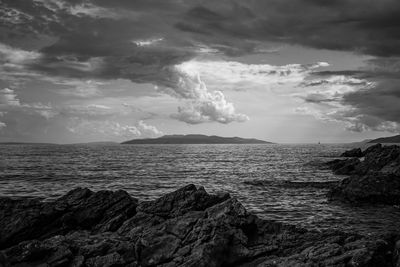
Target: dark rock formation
[(346, 166), (356, 153), (188, 227), (375, 179), (77, 210)]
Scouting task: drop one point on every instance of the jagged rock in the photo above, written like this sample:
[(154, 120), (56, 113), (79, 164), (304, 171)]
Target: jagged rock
[(79, 209), (190, 227), (374, 179), (353, 153)]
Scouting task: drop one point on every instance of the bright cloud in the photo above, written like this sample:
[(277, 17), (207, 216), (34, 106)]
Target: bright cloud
[(10, 56), (110, 130), (200, 104), (236, 75), (147, 42), (8, 97)]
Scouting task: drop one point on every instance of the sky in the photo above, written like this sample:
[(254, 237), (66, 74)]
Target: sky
[(287, 71)]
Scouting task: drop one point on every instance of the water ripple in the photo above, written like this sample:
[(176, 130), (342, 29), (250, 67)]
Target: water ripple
[(281, 182)]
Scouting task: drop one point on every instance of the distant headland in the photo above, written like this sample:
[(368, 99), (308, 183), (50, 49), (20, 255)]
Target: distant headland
[(386, 140), (196, 139)]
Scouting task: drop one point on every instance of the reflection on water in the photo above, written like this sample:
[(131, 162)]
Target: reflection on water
[(148, 171)]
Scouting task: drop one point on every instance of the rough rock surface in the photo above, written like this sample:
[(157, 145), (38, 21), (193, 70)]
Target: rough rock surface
[(188, 227), (79, 209), (374, 178), (356, 152)]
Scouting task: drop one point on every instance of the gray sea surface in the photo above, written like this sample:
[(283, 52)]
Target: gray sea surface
[(277, 182)]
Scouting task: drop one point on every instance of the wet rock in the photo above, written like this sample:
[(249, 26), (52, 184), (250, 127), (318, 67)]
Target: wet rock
[(188, 227), (355, 153), (375, 179)]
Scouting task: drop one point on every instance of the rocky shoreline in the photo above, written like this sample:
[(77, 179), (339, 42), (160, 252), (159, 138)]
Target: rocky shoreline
[(188, 227), (373, 175)]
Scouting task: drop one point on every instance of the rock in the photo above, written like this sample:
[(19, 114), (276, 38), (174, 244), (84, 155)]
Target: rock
[(355, 153), (188, 227), (368, 188), (372, 149), (375, 179), (347, 166), (79, 209)]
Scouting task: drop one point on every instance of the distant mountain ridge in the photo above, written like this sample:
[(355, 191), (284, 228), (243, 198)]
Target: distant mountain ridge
[(101, 143), (25, 143), (196, 139), (390, 139)]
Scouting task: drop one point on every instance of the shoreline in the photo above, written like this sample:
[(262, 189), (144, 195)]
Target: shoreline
[(190, 227), (187, 227)]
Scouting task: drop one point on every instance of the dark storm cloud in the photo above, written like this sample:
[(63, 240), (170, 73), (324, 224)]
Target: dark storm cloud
[(142, 40), (91, 43), (381, 101), (374, 106), (370, 27), (98, 28)]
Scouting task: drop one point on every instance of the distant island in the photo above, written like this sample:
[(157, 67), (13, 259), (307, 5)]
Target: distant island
[(391, 139), (99, 143), (196, 139)]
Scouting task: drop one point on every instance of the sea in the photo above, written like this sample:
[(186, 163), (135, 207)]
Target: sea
[(282, 182)]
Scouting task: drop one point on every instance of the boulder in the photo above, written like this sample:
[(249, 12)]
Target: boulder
[(188, 227)]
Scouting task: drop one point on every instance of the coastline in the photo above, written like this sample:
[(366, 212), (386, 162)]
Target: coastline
[(190, 227), (187, 227)]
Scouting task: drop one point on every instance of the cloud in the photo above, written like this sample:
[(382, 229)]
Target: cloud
[(148, 130), (78, 88), (379, 105), (8, 97), (213, 109), (75, 122), (110, 130), (16, 57), (82, 43), (362, 105), (147, 42), (354, 21), (204, 105), (201, 105), (239, 76), (2, 125)]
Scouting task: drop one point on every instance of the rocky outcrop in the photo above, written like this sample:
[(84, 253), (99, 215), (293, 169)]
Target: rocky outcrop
[(188, 227), (80, 209), (374, 178), (356, 152)]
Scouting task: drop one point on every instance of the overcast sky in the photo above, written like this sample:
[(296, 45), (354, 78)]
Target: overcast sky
[(279, 70)]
